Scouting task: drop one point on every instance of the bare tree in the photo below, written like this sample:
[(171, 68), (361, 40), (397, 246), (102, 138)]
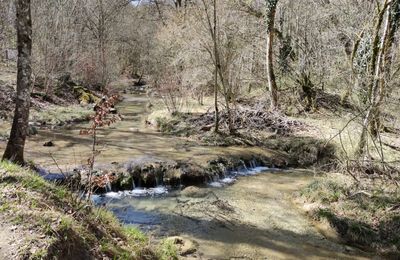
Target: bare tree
[(100, 16), (270, 11), (213, 32), (377, 85), (15, 147)]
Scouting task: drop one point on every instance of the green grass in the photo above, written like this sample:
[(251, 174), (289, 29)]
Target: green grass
[(324, 191), (361, 218), (133, 233), (64, 224), (167, 250), (58, 115)]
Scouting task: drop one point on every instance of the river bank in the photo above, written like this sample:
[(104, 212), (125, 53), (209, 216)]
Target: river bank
[(40, 220)]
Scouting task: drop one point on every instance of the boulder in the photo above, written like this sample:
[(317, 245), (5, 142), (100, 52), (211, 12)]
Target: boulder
[(194, 192), (184, 246), (84, 95), (32, 130), (49, 144)]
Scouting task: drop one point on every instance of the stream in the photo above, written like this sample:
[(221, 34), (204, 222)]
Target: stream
[(254, 218), (247, 217)]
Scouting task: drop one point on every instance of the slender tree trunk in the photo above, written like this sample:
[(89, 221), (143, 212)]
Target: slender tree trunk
[(216, 127), (270, 21), (102, 45), (391, 27), (218, 68), (15, 146), (378, 85), (160, 12)]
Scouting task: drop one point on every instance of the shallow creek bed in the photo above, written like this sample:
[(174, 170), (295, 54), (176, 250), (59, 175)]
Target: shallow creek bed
[(253, 218)]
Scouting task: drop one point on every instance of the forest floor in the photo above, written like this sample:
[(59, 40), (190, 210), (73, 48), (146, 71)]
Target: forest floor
[(70, 105), (68, 102)]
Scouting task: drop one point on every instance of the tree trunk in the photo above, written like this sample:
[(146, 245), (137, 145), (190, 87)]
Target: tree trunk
[(270, 21), (391, 28), (15, 146), (216, 127), (377, 86)]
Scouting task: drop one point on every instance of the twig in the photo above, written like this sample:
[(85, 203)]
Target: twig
[(56, 163)]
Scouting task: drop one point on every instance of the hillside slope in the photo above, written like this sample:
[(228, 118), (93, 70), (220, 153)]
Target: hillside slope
[(40, 220)]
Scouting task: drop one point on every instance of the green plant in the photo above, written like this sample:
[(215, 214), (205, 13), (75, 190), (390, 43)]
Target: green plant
[(167, 250), (132, 233), (324, 191)]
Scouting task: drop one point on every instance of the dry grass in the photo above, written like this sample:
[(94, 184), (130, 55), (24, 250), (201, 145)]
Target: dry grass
[(366, 214)]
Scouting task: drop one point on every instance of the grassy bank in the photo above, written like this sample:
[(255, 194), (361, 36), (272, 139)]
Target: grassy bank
[(60, 115), (43, 221), (364, 214)]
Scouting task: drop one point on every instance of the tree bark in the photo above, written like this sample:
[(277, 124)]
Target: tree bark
[(270, 21), (15, 146)]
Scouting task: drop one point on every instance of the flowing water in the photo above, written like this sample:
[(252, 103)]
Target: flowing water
[(241, 217), (124, 140), (251, 219)]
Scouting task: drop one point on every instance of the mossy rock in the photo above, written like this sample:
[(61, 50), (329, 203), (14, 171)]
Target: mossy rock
[(126, 182), (84, 96), (195, 192), (184, 246)]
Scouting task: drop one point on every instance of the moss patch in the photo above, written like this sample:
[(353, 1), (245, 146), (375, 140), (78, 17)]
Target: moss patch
[(84, 95)]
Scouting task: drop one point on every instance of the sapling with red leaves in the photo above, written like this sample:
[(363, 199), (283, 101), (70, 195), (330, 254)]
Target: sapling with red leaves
[(104, 116)]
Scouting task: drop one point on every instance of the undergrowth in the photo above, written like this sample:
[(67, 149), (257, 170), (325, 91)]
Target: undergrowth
[(363, 215)]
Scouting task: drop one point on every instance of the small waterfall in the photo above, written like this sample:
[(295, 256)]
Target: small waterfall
[(223, 168), (159, 180), (253, 164), (244, 166), (133, 184), (108, 184)]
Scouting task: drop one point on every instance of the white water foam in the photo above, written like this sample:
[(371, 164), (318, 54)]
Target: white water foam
[(216, 184), (114, 195), (162, 190), (228, 180)]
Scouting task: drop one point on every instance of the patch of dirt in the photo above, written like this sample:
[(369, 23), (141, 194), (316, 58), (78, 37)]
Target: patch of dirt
[(11, 240)]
